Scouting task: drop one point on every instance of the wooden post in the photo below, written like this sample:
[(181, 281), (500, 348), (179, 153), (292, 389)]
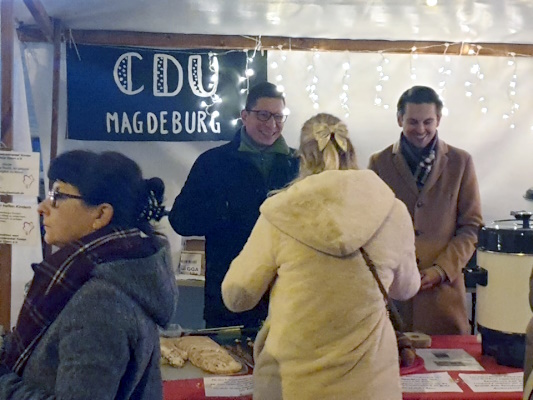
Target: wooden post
[(6, 126), (55, 88)]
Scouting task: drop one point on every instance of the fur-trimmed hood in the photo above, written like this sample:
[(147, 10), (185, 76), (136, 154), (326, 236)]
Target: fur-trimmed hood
[(334, 212)]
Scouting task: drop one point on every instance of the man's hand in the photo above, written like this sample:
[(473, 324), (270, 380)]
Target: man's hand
[(431, 277)]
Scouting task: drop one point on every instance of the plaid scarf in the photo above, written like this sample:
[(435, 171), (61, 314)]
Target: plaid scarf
[(58, 278), (420, 161)]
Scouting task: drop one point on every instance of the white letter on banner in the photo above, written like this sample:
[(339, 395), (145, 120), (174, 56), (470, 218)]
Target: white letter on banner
[(151, 122), (163, 121), (176, 122), (111, 117), (161, 75), (215, 126), (195, 76), (201, 124), (190, 127), (126, 126), (122, 73), (137, 124)]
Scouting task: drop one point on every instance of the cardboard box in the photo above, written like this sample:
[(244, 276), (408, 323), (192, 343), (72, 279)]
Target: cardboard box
[(194, 245)]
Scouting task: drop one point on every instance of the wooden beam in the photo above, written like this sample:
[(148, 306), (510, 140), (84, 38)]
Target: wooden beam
[(6, 45), (41, 18), (194, 41), (55, 89)]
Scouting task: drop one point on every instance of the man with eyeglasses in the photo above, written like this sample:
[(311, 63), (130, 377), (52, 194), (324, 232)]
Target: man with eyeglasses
[(224, 190)]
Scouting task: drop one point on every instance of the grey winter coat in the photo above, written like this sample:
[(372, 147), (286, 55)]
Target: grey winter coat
[(105, 342)]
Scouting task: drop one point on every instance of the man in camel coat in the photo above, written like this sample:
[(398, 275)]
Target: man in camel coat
[(438, 184)]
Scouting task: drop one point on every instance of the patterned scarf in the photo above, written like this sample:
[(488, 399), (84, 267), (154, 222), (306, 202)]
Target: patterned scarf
[(58, 278), (420, 161)]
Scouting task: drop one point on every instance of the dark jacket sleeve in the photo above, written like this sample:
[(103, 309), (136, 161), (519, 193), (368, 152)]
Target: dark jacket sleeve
[(200, 206)]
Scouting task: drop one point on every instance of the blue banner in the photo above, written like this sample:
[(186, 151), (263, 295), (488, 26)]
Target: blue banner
[(139, 94)]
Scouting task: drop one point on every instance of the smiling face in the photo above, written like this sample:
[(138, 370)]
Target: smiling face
[(419, 123), (264, 133), (71, 219)]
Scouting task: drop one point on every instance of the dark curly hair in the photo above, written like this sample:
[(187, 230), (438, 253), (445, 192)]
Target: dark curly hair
[(111, 177)]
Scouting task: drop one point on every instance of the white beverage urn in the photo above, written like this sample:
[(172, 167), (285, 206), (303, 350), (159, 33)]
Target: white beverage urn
[(505, 259)]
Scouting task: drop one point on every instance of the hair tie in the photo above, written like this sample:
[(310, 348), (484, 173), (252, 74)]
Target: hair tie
[(323, 133), (152, 209)]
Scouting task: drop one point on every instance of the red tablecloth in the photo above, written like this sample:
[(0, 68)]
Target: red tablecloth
[(193, 389), (471, 346)]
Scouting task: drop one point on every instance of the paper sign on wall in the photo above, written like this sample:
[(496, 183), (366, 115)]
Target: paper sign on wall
[(19, 173), (19, 224)]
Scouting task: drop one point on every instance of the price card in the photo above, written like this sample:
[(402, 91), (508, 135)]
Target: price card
[(494, 382), (191, 263), (228, 386), (429, 383)]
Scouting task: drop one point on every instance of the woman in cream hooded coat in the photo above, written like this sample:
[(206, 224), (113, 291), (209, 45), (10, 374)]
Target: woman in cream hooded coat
[(327, 335)]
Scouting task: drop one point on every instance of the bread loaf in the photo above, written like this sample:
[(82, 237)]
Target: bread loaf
[(202, 352)]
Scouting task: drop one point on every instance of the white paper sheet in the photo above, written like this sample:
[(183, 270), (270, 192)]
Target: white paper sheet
[(429, 383), (494, 382), (19, 224), (228, 386), (448, 360), (19, 173)]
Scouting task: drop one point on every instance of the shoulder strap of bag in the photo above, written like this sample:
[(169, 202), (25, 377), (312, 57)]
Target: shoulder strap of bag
[(394, 315)]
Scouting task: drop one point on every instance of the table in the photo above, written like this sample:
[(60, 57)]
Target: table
[(191, 387), (471, 345)]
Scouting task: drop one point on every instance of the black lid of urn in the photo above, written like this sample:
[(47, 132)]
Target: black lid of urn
[(508, 235)]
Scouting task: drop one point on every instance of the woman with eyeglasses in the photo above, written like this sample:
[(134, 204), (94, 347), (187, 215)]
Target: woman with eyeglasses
[(88, 328)]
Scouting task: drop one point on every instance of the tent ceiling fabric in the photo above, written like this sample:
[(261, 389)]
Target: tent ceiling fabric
[(489, 21)]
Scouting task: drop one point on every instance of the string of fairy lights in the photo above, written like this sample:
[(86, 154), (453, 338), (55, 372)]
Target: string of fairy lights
[(345, 85), (473, 88), (312, 80), (382, 79)]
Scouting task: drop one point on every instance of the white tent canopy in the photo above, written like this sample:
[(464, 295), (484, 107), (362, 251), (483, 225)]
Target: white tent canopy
[(492, 21)]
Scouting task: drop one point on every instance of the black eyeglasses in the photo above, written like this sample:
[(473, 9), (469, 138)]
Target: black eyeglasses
[(264, 116), (54, 196)]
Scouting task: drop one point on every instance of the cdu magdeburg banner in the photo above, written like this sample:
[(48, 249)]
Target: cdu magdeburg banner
[(140, 94)]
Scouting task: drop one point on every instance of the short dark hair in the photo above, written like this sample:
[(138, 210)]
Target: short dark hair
[(263, 89), (111, 177), (419, 95)]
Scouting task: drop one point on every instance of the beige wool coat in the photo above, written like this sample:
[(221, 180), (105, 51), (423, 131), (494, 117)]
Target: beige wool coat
[(446, 215), (327, 335)]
